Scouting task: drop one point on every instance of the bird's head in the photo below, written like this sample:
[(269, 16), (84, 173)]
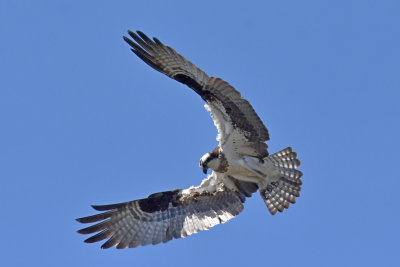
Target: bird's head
[(209, 160)]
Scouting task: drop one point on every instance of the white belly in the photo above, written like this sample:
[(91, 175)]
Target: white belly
[(250, 169)]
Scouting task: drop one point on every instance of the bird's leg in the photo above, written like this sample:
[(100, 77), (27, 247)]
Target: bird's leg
[(252, 165), (250, 179)]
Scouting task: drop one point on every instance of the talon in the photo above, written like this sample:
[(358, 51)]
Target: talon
[(269, 188)]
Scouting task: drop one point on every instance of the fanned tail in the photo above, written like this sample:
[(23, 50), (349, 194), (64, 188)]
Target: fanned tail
[(280, 192)]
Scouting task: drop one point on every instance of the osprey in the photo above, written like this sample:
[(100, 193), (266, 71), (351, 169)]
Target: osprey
[(240, 166)]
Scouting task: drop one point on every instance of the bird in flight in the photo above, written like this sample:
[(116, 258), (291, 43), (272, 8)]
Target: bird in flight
[(240, 166)]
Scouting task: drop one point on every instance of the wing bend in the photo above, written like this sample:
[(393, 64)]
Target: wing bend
[(165, 215), (224, 102)]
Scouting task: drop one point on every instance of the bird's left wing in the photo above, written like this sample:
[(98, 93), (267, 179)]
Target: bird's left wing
[(165, 215), (238, 124), (164, 59)]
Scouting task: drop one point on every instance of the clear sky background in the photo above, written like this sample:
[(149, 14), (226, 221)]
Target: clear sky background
[(84, 121)]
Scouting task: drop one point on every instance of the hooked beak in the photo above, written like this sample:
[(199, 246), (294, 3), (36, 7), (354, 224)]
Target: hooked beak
[(205, 169)]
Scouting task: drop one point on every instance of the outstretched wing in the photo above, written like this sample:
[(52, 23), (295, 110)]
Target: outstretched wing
[(166, 215), (238, 124)]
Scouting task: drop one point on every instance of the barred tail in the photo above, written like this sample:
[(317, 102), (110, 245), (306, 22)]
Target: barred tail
[(280, 192)]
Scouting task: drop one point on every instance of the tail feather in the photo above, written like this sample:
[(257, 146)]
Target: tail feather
[(280, 192), (285, 158)]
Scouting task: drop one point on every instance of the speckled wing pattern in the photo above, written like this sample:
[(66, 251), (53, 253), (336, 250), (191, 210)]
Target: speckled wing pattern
[(239, 127), (164, 216), (237, 123)]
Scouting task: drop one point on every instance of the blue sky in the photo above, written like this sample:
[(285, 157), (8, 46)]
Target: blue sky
[(84, 121)]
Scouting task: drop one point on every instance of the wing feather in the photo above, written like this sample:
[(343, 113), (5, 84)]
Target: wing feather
[(164, 216), (224, 102)]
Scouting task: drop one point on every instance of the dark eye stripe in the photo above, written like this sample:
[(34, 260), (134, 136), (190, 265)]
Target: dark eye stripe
[(211, 157)]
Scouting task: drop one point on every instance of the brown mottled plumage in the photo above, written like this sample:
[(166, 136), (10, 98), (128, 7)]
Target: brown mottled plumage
[(240, 166)]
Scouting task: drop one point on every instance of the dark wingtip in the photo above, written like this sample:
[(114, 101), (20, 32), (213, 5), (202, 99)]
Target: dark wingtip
[(81, 232), (101, 207), (98, 237), (108, 244), (145, 38), (157, 41), (91, 240), (88, 219), (108, 207), (141, 34), (133, 34), (97, 207), (130, 42)]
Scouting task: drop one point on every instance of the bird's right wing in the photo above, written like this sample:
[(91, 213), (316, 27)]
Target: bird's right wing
[(165, 215)]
